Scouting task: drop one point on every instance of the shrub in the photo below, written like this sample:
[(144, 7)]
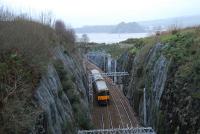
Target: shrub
[(67, 85), (34, 44), (18, 79), (196, 95), (68, 127), (81, 116), (67, 35)]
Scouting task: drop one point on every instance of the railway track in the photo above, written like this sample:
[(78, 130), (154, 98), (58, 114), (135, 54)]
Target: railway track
[(121, 121), (122, 101), (102, 121), (117, 114), (129, 110), (109, 116), (123, 112), (105, 120)]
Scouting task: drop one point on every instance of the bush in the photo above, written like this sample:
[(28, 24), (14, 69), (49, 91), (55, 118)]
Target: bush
[(67, 85), (68, 127), (67, 35), (17, 81), (34, 44), (81, 116)]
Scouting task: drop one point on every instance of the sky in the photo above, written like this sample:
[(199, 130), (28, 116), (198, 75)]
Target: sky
[(105, 12)]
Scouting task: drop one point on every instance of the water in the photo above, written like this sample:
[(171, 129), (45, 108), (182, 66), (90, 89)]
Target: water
[(112, 38)]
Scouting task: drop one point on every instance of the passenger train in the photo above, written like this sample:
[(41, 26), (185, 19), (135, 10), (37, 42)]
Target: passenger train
[(101, 89)]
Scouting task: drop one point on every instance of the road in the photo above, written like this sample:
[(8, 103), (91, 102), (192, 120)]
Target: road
[(118, 114)]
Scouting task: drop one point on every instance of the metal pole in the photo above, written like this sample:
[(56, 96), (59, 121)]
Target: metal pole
[(145, 118), (115, 78), (104, 64), (109, 64)]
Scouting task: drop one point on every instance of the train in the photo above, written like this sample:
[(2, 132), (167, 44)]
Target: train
[(101, 90)]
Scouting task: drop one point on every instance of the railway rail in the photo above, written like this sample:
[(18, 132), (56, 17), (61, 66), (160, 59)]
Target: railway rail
[(123, 112), (141, 130), (117, 117), (118, 113), (121, 121), (129, 112)]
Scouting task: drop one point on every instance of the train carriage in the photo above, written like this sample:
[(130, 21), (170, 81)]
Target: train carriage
[(96, 75), (101, 89)]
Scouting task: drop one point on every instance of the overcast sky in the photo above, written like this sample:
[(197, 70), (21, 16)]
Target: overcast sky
[(98, 12)]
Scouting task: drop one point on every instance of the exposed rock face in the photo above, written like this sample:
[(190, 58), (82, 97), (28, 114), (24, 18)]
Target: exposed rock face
[(171, 101), (155, 79), (149, 74), (58, 110), (74, 66)]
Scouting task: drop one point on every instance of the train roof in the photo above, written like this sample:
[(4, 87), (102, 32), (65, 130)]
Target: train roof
[(96, 75), (95, 71), (101, 85)]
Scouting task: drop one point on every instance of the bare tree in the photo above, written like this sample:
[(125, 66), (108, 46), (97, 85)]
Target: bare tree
[(5, 14), (85, 39), (46, 18), (67, 34)]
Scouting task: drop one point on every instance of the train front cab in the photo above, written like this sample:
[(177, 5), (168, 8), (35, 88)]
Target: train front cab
[(103, 97)]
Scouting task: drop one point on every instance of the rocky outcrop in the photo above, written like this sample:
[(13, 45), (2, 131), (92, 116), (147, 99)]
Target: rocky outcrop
[(149, 74), (155, 78), (172, 99), (59, 111), (57, 107)]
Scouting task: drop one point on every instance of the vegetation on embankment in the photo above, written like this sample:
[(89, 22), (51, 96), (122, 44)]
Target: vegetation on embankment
[(180, 102), (24, 56), (26, 50), (116, 49), (178, 110)]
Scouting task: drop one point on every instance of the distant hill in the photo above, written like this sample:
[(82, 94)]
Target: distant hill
[(143, 26), (122, 27), (164, 24), (131, 27)]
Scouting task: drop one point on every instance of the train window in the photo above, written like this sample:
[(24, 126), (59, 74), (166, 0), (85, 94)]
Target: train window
[(108, 93), (104, 93)]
